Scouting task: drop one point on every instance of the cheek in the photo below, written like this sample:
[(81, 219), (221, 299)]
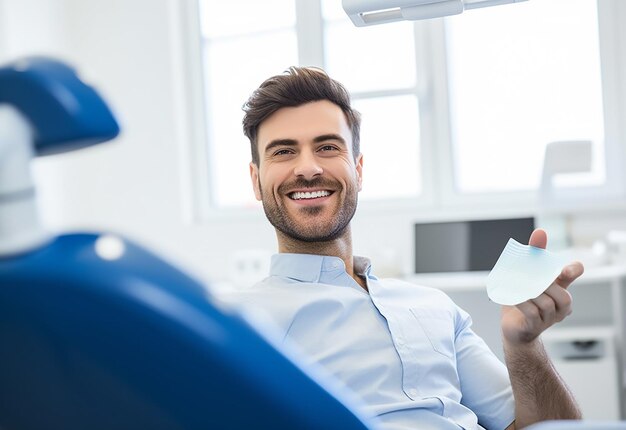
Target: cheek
[(275, 177), (268, 185)]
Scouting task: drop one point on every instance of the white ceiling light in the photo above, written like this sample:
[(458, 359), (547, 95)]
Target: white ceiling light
[(371, 12)]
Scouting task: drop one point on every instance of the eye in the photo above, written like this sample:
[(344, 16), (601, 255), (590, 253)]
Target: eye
[(328, 148), (283, 152)]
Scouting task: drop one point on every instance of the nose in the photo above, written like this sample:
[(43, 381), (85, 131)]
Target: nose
[(307, 165)]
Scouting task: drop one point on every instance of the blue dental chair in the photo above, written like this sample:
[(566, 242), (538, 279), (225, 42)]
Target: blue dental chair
[(97, 332)]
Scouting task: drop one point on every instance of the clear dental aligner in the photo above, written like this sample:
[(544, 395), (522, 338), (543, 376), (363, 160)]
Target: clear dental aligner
[(521, 273)]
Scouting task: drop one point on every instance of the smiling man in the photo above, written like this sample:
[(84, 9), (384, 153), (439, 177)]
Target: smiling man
[(407, 351)]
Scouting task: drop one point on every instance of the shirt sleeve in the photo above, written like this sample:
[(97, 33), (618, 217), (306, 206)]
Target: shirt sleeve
[(484, 379)]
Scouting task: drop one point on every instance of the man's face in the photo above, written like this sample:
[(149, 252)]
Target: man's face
[(307, 177)]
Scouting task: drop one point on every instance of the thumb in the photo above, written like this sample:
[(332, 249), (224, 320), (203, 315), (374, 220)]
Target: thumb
[(538, 239)]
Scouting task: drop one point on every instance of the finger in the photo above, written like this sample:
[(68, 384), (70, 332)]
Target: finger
[(530, 311), (569, 274), (538, 239), (562, 301), (547, 308)]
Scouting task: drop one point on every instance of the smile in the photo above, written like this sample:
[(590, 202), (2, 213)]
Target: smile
[(299, 195)]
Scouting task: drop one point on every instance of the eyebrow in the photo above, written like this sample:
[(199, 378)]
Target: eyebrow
[(292, 142), (280, 142), (331, 136)]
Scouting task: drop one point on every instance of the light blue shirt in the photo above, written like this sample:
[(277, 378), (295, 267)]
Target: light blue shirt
[(407, 351)]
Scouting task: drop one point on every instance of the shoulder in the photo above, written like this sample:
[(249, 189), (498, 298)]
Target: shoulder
[(276, 295), (269, 300), (242, 295)]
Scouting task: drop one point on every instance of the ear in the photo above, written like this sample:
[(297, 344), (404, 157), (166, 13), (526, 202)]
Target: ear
[(254, 176), (359, 171)]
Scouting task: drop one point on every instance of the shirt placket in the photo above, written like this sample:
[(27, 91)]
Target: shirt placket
[(399, 322)]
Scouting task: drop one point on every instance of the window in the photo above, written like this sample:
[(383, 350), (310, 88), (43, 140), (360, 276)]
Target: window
[(519, 78), (454, 110)]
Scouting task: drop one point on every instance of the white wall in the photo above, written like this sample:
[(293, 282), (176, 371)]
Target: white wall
[(19, 18), (132, 52)]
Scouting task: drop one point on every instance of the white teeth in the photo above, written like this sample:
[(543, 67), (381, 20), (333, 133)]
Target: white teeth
[(314, 195)]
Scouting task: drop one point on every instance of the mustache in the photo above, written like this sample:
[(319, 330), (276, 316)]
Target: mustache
[(306, 183)]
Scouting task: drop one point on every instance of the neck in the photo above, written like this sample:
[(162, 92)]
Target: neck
[(340, 247)]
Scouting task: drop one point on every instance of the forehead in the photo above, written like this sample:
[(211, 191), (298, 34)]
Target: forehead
[(304, 122)]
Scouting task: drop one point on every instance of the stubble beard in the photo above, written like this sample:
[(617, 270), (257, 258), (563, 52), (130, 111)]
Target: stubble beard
[(284, 222)]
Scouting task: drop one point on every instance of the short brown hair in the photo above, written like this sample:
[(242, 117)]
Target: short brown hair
[(295, 87)]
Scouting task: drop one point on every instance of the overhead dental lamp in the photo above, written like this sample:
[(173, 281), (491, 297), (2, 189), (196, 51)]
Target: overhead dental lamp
[(372, 12)]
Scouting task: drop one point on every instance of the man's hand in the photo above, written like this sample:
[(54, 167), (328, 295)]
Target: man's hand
[(539, 392), (523, 323)]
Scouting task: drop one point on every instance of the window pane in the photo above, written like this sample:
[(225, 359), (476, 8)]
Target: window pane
[(232, 17), (520, 77), (368, 58), (232, 74), (390, 147)]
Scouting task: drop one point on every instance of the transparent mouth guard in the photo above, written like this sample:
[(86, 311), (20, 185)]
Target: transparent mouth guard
[(521, 273)]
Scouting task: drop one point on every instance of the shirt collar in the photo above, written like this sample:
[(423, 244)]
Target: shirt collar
[(310, 268), (363, 266)]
